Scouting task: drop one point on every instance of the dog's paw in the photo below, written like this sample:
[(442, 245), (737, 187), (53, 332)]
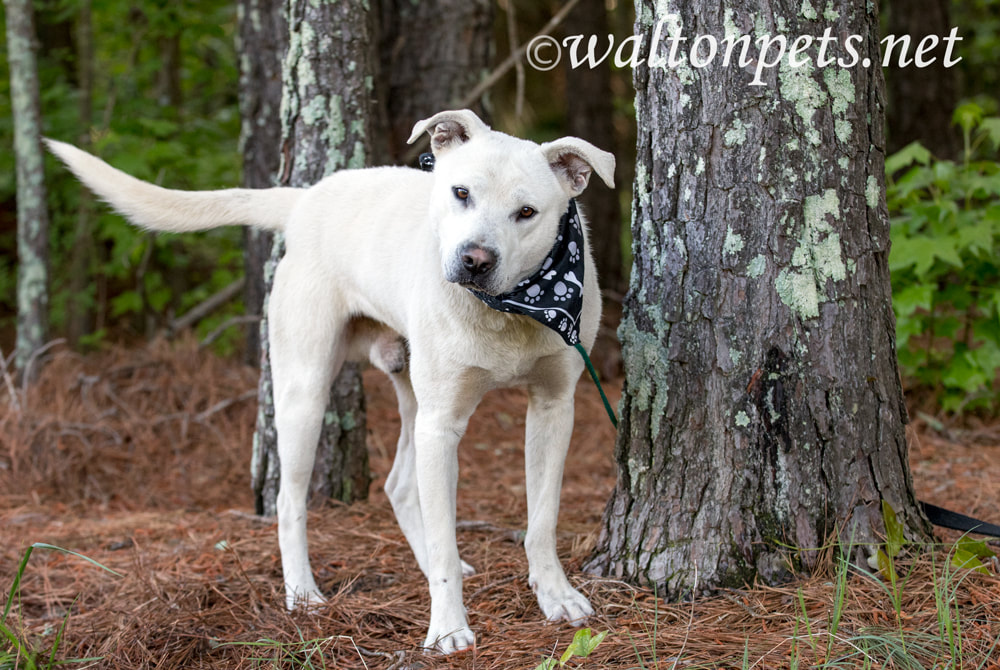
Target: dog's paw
[(564, 604), (308, 601), (448, 642), (467, 570)]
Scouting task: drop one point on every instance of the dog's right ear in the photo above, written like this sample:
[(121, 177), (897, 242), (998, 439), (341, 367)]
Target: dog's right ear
[(449, 129)]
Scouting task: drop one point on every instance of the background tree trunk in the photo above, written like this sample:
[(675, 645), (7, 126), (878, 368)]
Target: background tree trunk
[(432, 53), (263, 38), (79, 310), (326, 120), (921, 100), (762, 403), (589, 115), (32, 212)]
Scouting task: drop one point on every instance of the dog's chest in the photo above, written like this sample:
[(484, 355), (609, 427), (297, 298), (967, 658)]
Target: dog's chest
[(504, 363)]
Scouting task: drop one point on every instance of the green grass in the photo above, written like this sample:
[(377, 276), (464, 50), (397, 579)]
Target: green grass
[(839, 639), (18, 651)]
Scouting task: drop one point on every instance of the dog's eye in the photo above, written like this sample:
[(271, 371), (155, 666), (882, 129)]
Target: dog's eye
[(527, 212), (460, 192)]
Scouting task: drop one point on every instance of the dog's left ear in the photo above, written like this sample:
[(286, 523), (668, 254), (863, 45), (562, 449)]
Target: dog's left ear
[(449, 129), (573, 159)]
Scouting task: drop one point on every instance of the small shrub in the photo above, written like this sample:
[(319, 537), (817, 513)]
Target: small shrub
[(945, 264)]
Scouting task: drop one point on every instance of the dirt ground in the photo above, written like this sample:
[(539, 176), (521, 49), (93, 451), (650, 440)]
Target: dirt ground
[(139, 458)]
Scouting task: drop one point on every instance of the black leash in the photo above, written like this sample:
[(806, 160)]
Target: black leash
[(937, 515), (945, 518)]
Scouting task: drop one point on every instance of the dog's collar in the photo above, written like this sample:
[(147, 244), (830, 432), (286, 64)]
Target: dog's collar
[(553, 295)]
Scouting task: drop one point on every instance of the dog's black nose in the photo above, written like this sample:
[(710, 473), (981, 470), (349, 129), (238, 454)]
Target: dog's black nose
[(477, 260)]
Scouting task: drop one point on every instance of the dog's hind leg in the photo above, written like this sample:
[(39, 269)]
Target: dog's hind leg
[(549, 426), (306, 351), (401, 484)]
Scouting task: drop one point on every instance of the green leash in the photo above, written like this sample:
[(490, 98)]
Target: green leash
[(593, 375)]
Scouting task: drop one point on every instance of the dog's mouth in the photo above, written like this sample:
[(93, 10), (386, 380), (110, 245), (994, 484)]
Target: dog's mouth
[(483, 282), (483, 287)]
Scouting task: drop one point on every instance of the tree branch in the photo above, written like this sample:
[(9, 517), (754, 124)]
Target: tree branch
[(209, 305)]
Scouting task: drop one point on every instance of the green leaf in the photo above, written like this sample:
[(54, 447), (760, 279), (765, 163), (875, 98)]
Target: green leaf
[(920, 252), (986, 357), (967, 560), (915, 179), (967, 116), (159, 297), (596, 640), (547, 664), (975, 547), (126, 303), (914, 152), (894, 539), (577, 646), (159, 128), (945, 172), (962, 372), (990, 127), (977, 237), (583, 644), (886, 567), (912, 298)]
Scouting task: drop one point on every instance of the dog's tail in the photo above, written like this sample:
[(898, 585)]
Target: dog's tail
[(157, 208)]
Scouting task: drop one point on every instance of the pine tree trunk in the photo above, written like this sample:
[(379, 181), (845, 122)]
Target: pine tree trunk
[(32, 214), (263, 36), (589, 115), (921, 100), (432, 53), (326, 126), (762, 406)]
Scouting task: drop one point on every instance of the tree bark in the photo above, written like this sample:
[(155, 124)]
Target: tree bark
[(32, 214), (263, 38), (762, 405), (921, 100), (432, 53), (589, 114), (326, 119)]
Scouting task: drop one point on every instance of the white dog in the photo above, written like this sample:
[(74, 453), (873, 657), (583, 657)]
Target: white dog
[(382, 263)]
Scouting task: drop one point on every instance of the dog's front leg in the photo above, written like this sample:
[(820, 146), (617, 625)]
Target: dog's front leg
[(437, 433), (549, 426), (401, 485)]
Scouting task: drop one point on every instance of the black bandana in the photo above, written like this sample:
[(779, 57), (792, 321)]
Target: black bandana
[(553, 296)]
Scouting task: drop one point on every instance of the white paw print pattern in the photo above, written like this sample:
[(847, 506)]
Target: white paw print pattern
[(551, 314), (574, 252), (561, 292), (533, 294)]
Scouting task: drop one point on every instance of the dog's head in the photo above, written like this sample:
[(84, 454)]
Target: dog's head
[(497, 199)]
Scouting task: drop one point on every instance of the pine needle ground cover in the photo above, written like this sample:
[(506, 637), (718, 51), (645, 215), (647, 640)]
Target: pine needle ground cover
[(139, 459)]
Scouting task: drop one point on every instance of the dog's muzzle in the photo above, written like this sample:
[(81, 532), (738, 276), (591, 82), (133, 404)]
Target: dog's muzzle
[(473, 266)]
